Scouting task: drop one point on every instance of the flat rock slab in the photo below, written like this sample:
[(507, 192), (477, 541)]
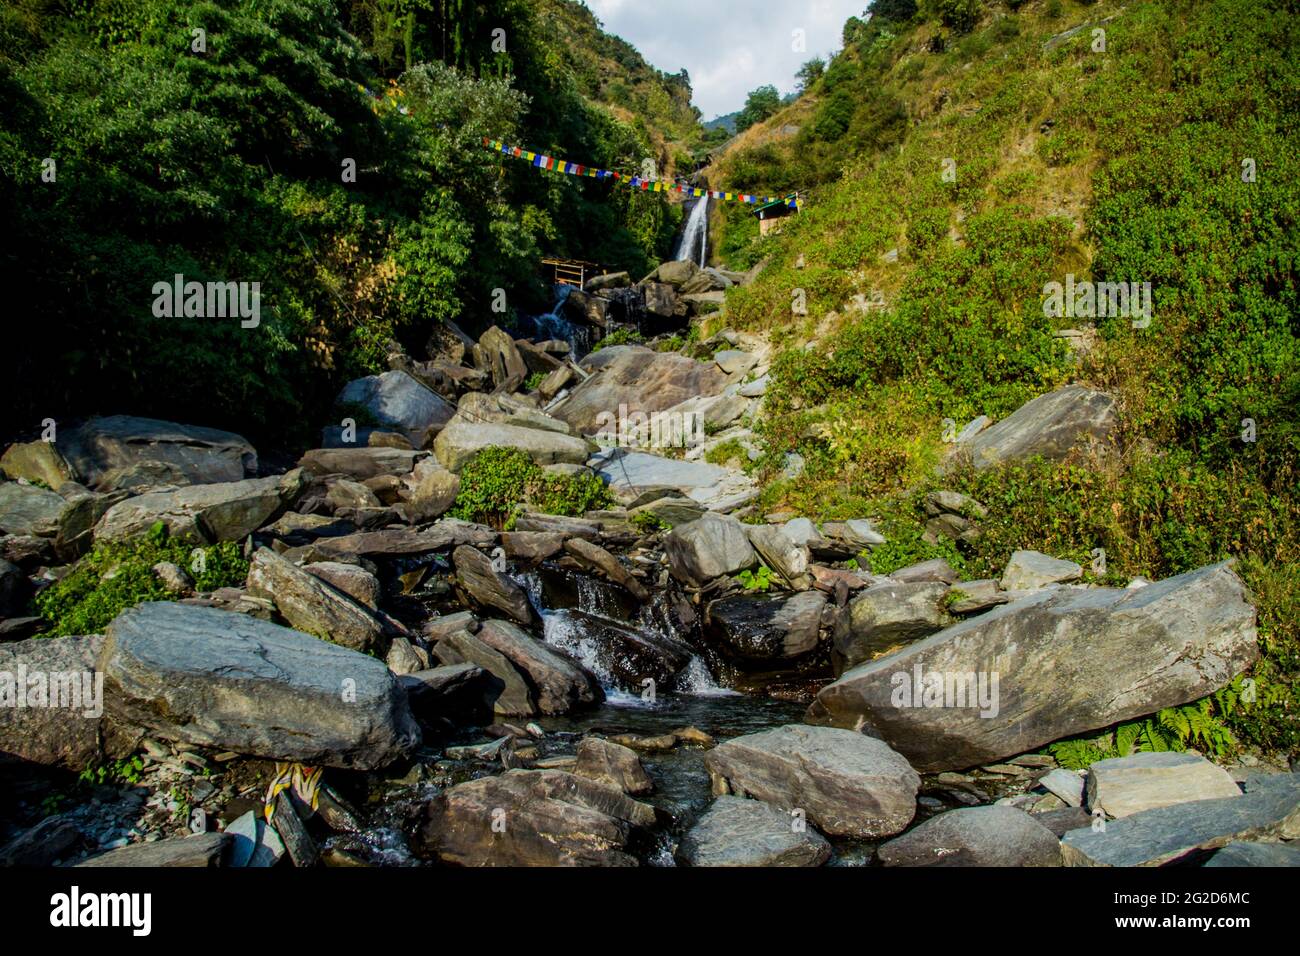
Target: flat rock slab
[(1256, 854), (628, 472), (465, 437), (361, 461), (312, 605), (1269, 810), (1033, 569), (1050, 425), (1067, 661), (221, 679), (846, 783), (221, 511), (739, 832), (201, 850), (1144, 781), (975, 836), (533, 818)]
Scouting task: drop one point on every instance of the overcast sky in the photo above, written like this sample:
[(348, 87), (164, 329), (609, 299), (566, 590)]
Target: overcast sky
[(728, 46)]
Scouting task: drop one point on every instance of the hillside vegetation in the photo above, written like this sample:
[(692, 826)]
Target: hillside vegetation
[(1115, 156)]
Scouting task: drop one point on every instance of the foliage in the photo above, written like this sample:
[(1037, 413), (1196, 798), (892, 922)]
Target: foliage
[(623, 336), (496, 482), (759, 105), (117, 576), (760, 579), (127, 770)]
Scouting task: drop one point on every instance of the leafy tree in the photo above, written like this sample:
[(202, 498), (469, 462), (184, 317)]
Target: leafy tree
[(759, 105), (810, 72)]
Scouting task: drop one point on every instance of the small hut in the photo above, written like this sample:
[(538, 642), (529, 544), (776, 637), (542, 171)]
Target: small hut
[(573, 272), (770, 214)]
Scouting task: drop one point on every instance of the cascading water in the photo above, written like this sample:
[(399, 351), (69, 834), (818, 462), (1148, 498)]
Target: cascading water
[(696, 234), (553, 325)]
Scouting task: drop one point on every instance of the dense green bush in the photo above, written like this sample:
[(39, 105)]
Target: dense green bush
[(497, 482)]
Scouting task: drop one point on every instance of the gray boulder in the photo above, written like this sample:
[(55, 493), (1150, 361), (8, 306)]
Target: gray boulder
[(464, 437), (711, 547), (559, 684), (122, 451), (1033, 569), (846, 783), (639, 378), (396, 400), (975, 836), (506, 692), (1256, 854), (739, 832), (887, 615), (216, 678), (533, 818), (30, 510), (360, 461), (65, 732), (497, 354), (221, 511), (1052, 665), (488, 587), (763, 628), (613, 765), (787, 558), (1050, 425)]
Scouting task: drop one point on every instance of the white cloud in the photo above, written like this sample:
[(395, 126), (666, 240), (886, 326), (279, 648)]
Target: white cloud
[(729, 47)]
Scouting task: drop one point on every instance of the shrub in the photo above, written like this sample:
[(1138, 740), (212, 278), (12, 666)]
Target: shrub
[(497, 481)]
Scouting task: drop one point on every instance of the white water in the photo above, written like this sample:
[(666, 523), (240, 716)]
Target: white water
[(696, 233)]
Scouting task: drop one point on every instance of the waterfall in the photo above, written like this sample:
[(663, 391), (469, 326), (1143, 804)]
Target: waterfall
[(696, 232)]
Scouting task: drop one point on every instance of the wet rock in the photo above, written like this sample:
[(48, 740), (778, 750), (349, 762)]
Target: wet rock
[(975, 836), (653, 744), (222, 511), (226, 680), (1256, 854), (1050, 425), (887, 615), (846, 783), (609, 280), (311, 605), (661, 300), (767, 628), (199, 850), (488, 587), (61, 735), (1126, 785), (613, 765), (711, 547), (1121, 653), (507, 692), (628, 655), (360, 462), (641, 379), (1033, 569), (1269, 810), (587, 309), (533, 818), (396, 400), (559, 684), (122, 451), (532, 546), (739, 832), (463, 438), (596, 558)]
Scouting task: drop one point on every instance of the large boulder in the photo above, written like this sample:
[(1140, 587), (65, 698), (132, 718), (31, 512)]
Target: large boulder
[(1125, 785), (122, 451), (621, 654), (61, 721), (782, 554), (1032, 569), (613, 765), (711, 547), (465, 437), (975, 836), (30, 510), (639, 477), (739, 832), (497, 354), (1050, 665), (396, 400), (221, 511), (312, 605), (506, 691), (1050, 425), (36, 462), (559, 684), (533, 818), (891, 614), (1268, 811), (638, 379), (763, 628), (846, 783), (215, 678), (430, 491)]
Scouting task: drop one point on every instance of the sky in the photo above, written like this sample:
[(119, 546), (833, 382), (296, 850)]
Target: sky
[(729, 47)]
